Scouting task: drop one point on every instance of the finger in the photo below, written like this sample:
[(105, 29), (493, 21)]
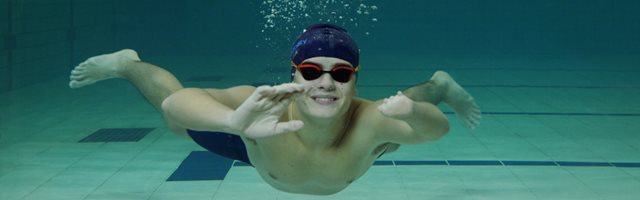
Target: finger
[(266, 90), (76, 72), (299, 87), (286, 91), (296, 87), (84, 63), (395, 95), (288, 127), (473, 122), (383, 109), (466, 123), (308, 89), (288, 88), (77, 77), (280, 107), (280, 97), (263, 92), (285, 97), (275, 106), (276, 98), (477, 116), (73, 84)]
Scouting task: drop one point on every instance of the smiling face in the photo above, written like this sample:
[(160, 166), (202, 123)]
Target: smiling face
[(326, 97)]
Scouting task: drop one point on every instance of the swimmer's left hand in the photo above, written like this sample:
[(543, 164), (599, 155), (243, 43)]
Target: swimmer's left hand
[(398, 106)]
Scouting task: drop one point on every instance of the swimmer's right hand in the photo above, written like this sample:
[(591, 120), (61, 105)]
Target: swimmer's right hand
[(259, 115)]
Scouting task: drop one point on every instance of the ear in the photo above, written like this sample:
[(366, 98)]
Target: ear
[(293, 73)]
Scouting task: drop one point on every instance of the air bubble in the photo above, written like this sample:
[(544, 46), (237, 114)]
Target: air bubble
[(282, 18)]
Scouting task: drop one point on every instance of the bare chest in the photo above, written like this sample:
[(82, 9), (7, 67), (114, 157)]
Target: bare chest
[(287, 164)]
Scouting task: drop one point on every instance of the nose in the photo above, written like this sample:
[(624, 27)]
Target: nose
[(325, 82)]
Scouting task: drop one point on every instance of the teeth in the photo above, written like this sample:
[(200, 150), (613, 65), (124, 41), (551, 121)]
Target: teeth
[(325, 100)]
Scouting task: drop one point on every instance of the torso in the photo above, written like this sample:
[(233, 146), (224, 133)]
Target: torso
[(288, 165)]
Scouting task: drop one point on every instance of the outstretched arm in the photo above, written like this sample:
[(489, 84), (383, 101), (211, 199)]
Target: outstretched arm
[(248, 113), (443, 88), (414, 116), (197, 109), (414, 122)]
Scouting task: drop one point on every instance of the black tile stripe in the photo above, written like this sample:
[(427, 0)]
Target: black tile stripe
[(117, 135), (533, 163), (513, 86), (557, 114), (529, 163), (395, 69), (474, 162)]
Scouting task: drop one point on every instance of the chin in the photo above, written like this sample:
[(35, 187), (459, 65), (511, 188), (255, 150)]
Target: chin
[(323, 113)]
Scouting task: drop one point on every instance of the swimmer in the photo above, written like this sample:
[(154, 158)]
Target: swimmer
[(310, 136)]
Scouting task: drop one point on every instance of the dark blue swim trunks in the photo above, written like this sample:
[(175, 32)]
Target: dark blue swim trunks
[(224, 144)]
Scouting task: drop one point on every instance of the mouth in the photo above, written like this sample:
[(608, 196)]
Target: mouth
[(325, 99)]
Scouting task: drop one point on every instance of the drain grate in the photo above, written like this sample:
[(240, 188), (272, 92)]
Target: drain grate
[(117, 135)]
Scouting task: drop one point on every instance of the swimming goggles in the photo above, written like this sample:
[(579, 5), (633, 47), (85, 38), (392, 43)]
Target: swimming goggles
[(341, 73)]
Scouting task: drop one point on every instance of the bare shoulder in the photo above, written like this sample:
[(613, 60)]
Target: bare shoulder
[(367, 113), (364, 105), (366, 110), (233, 96)]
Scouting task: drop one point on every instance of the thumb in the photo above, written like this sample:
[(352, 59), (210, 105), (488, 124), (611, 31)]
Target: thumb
[(290, 126)]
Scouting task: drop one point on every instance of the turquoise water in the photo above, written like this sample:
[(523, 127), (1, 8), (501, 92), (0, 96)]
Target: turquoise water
[(556, 80), (576, 32)]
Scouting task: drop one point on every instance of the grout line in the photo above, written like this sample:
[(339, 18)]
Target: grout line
[(515, 86), (123, 166), (59, 172), (556, 114)]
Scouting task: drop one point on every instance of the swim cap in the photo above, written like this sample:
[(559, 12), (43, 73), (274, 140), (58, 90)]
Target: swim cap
[(325, 40)]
